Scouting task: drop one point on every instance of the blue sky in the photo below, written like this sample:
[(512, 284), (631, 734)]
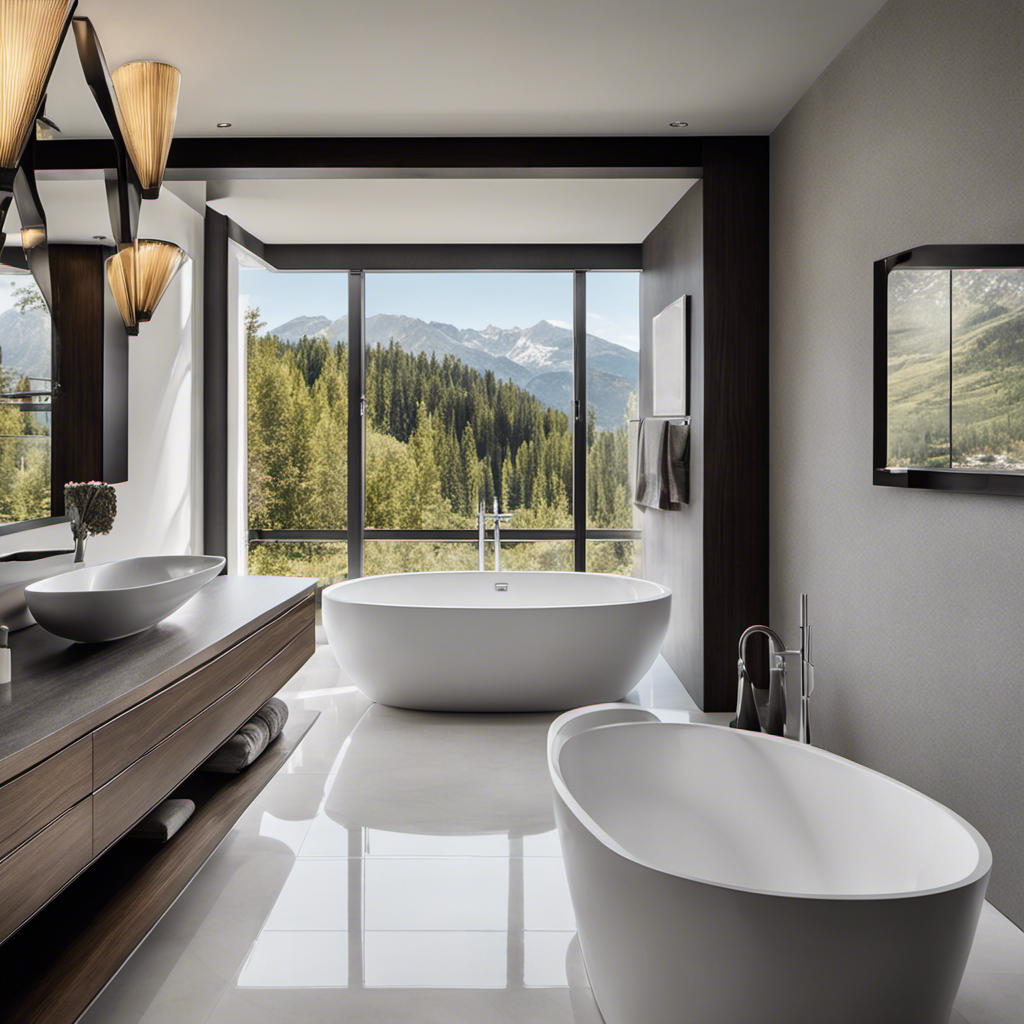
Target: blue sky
[(466, 300), (10, 281)]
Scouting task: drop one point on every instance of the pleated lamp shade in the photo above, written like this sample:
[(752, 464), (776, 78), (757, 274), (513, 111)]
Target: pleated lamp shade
[(31, 237), (147, 97), (117, 278), (30, 32), (139, 275)]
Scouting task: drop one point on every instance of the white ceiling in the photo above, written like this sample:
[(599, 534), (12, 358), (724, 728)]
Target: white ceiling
[(470, 67), (391, 211), (451, 211), (455, 67)]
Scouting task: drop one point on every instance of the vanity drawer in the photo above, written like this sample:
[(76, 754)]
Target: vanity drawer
[(41, 867), (126, 799), (43, 793), (127, 737)]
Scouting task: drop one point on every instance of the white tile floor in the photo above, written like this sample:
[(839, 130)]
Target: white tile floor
[(404, 867)]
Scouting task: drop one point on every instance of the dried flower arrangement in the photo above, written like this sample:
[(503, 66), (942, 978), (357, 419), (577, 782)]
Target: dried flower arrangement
[(92, 507)]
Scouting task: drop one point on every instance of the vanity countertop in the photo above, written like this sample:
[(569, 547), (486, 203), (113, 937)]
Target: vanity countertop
[(63, 690)]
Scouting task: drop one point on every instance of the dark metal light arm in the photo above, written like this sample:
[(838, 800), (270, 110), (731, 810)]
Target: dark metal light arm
[(7, 176), (35, 244), (33, 223), (124, 193)]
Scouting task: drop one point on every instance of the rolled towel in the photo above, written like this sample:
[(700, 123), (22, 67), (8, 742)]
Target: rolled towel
[(275, 714), (163, 821), (250, 741)]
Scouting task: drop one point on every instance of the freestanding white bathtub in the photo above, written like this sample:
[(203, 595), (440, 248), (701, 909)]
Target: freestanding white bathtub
[(720, 877), (496, 641)]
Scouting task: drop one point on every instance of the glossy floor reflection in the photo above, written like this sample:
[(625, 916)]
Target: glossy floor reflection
[(404, 867)]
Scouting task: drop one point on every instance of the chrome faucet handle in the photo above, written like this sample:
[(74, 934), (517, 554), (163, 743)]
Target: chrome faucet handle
[(778, 689), (747, 716)]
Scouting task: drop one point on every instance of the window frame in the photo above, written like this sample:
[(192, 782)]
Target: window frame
[(357, 261)]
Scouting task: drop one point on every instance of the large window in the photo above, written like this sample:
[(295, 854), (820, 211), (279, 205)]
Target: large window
[(469, 396), (468, 388), (613, 387), (24, 413), (296, 341)]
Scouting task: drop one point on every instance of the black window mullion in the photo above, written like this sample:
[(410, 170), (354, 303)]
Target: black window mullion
[(579, 435), (356, 426)]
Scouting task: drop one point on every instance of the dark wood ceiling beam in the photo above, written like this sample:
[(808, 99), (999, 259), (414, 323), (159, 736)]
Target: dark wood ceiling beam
[(307, 157)]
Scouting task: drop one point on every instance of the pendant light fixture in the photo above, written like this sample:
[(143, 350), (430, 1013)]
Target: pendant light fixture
[(117, 278), (31, 32), (139, 275), (139, 103), (147, 105)]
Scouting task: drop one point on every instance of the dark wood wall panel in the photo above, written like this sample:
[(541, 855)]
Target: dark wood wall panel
[(215, 384), (77, 447), (736, 404), (90, 412), (713, 246)]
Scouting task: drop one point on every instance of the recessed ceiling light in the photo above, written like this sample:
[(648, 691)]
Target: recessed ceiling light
[(678, 124), (223, 124)]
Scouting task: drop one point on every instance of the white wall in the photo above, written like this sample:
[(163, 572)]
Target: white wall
[(160, 505)]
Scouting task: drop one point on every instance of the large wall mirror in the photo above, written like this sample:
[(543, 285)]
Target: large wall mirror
[(949, 368), (25, 406), (63, 383)]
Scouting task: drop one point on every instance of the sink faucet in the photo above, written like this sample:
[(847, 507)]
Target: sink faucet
[(481, 526), (747, 715)]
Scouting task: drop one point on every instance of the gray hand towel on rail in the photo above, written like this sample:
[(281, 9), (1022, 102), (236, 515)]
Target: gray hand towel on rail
[(250, 741), (662, 465)]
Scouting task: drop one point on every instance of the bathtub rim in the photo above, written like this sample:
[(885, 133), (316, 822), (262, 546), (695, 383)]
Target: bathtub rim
[(662, 593), (639, 716)]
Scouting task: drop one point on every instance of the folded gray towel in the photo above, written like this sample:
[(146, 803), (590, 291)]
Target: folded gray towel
[(164, 821), (662, 465), (250, 741)]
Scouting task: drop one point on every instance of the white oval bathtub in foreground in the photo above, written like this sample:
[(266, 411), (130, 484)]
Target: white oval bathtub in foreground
[(721, 877), (487, 641)]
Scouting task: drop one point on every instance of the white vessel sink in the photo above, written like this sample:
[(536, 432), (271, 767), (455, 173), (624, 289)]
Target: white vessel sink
[(20, 568), (118, 599)]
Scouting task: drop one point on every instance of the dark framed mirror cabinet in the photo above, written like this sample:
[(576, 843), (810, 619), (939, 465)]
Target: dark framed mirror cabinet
[(949, 368)]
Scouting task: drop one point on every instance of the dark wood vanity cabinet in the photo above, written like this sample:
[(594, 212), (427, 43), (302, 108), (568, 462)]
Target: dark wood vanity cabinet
[(92, 737)]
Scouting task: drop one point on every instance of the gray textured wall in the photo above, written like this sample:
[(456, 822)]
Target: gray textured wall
[(915, 134), (673, 260)]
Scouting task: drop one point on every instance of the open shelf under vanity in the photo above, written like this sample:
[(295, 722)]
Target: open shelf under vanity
[(77, 895)]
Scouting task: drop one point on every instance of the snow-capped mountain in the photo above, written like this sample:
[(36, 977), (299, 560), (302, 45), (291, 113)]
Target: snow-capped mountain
[(25, 342), (538, 358)]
